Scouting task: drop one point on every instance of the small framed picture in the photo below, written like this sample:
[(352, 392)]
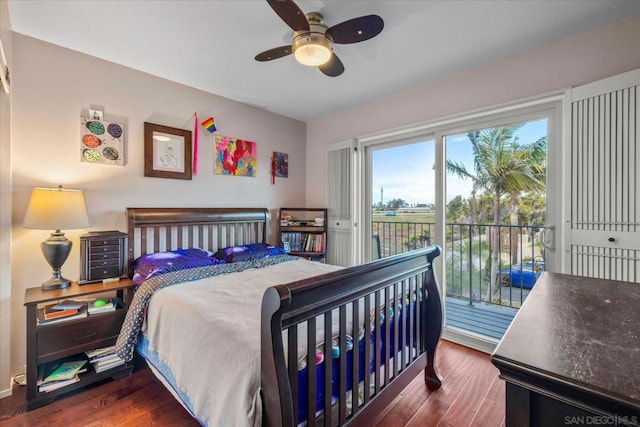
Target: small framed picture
[(286, 247), (167, 152)]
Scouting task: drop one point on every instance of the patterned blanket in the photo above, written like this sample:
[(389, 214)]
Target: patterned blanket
[(137, 309)]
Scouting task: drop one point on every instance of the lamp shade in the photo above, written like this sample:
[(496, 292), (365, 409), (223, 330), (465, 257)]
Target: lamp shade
[(56, 209)]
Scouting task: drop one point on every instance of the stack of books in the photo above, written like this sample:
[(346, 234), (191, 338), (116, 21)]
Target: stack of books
[(63, 311), (102, 305), (61, 376), (104, 358)]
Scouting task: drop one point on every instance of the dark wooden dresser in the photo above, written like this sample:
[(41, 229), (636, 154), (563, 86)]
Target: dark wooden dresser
[(572, 354)]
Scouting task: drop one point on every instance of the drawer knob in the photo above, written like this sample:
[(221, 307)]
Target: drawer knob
[(611, 239)]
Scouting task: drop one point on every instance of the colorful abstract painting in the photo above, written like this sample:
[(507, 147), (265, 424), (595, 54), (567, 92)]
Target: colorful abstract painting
[(234, 156), (281, 164)]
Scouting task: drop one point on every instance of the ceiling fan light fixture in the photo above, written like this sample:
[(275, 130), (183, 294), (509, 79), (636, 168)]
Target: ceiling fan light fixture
[(312, 49)]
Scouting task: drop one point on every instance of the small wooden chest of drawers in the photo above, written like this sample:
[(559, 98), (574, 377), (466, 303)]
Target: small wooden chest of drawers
[(102, 256)]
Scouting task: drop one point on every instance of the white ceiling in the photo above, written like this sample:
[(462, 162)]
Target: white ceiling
[(210, 45)]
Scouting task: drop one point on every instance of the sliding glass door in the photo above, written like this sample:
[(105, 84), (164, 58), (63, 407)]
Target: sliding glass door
[(495, 216), (402, 193), (485, 187)]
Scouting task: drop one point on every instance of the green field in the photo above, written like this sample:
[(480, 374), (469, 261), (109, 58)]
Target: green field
[(414, 217)]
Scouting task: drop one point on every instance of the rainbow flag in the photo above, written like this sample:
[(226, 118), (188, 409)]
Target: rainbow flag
[(209, 125)]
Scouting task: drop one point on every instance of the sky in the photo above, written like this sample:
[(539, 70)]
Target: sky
[(406, 172)]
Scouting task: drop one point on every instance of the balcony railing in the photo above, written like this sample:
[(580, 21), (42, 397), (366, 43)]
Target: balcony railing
[(485, 263)]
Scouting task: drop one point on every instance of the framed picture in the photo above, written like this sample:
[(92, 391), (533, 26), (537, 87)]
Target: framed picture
[(167, 152), (286, 246), (281, 164), (101, 142)]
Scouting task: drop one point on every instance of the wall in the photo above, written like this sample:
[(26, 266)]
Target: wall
[(54, 86), (580, 59), (5, 211)]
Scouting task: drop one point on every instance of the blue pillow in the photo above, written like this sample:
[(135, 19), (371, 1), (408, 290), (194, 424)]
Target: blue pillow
[(248, 252), (150, 265)]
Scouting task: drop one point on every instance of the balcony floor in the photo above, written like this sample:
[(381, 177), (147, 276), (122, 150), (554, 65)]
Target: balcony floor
[(483, 319)]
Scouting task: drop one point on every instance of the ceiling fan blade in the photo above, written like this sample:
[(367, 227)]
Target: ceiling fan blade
[(290, 13), (275, 53), (356, 30), (333, 67)]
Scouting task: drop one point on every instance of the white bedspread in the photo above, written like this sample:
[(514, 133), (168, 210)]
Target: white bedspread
[(208, 334)]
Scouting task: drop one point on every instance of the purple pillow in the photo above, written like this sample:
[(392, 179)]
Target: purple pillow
[(248, 252), (150, 265)]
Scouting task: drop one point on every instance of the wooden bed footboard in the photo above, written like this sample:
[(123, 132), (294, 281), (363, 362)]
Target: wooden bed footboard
[(386, 321)]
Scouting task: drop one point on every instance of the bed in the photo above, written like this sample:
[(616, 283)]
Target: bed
[(244, 342)]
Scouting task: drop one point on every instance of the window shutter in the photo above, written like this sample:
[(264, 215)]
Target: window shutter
[(339, 204), (605, 182)]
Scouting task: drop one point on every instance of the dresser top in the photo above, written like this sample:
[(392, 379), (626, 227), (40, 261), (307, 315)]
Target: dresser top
[(580, 331)]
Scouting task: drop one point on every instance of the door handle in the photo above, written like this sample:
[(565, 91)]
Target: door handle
[(548, 237)]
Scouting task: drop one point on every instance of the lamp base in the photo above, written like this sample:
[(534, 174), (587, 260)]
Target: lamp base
[(56, 250), (55, 283)]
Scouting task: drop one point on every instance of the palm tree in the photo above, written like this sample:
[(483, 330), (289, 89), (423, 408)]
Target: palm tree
[(534, 155), (501, 167)]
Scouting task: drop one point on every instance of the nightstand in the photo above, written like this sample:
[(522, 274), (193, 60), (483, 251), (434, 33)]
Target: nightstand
[(47, 343)]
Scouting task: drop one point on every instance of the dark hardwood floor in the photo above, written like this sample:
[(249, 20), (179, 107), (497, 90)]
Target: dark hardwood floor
[(471, 395)]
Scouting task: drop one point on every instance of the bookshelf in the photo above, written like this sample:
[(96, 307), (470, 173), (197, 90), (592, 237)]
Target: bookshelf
[(303, 232)]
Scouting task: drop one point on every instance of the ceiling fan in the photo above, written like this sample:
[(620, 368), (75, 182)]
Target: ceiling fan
[(312, 41)]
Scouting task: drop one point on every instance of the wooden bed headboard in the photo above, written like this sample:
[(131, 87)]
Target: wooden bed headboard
[(163, 229)]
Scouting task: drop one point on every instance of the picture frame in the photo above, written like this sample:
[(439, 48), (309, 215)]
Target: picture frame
[(167, 152)]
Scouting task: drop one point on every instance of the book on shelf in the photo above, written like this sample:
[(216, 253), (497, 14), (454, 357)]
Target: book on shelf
[(104, 358), (49, 312), (91, 354), (109, 305), (45, 370), (106, 365), (55, 385), (65, 371), (69, 304), (82, 312), (304, 242)]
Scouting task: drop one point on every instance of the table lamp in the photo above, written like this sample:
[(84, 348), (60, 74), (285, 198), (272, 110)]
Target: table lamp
[(56, 209)]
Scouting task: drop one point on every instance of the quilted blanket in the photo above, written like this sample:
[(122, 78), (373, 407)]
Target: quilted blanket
[(207, 331)]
